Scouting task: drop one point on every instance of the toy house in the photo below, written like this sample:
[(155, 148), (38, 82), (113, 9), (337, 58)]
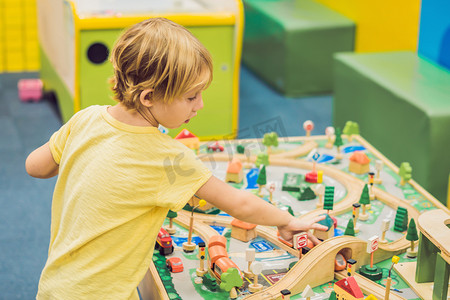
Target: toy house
[(235, 171), (348, 289), (188, 139), (329, 223), (243, 231), (359, 163)]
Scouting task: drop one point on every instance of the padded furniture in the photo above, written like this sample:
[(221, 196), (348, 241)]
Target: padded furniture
[(402, 105), (290, 43)]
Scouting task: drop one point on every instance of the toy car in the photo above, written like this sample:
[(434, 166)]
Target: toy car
[(164, 242), (215, 147), (174, 264)]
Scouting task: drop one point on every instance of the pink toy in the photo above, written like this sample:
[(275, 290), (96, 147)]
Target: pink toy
[(30, 89)]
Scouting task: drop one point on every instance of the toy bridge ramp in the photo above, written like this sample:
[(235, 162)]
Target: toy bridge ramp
[(322, 258)]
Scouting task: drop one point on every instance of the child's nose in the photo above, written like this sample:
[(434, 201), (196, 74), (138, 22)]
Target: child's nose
[(199, 103)]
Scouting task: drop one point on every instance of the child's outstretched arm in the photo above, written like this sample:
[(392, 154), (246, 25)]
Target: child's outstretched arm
[(40, 163), (250, 208)]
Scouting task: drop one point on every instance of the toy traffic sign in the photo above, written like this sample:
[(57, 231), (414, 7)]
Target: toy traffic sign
[(372, 245), (300, 240)]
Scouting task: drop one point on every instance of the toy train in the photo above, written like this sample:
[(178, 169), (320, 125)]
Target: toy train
[(219, 262), (164, 242)]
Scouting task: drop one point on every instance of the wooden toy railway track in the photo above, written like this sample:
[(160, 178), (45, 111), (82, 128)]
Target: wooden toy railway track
[(322, 256)]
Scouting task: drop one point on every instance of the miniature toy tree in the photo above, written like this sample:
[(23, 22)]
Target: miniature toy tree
[(350, 230), (401, 219), (405, 172), (307, 194), (189, 246), (171, 215), (262, 180), (332, 296), (230, 280), (308, 293), (328, 201), (262, 159), (329, 132), (412, 236), (364, 200), (210, 282), (288, 209), (270, 139), (395, 260), (350, 129), (338, 143), (240, 149), (308, 126)]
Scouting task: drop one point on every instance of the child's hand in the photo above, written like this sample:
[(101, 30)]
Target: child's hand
[(296, 226)]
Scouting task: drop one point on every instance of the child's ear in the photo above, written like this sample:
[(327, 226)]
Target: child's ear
[(145, 97)]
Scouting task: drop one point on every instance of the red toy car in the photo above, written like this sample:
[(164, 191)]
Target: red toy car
[(215, 147), (164, 242), (174, 264)]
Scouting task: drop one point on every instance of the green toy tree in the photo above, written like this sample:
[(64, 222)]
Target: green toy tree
[(288, 209), (230, 280), (328, 198), (350, 129), (401, 219), (338, 142), (364, 200), (262, 159), (270, 139), (171, 215), (411, 235), (262, 179), (240, 149), (210, 282), (350, 230), (332, 296), (307, 194), (405, 172)]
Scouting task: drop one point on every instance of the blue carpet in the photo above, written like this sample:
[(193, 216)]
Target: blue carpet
[(25, 202)]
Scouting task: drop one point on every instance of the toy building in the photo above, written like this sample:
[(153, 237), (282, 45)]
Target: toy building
[(188, 139), (329, 223), (359, 163), (235, 171), (243, 231), (348, 289)]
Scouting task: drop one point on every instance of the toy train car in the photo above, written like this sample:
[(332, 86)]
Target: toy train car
[(164, 242), (219, 261)]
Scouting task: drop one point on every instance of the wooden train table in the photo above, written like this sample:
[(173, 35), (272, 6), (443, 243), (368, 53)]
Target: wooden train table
[(304, 176)]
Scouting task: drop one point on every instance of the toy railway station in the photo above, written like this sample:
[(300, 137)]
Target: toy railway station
[(325, 119)]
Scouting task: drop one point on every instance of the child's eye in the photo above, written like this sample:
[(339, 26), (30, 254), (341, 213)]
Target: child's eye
[(193, 98)]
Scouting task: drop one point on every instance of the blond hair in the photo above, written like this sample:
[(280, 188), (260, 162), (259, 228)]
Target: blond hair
[(161, 55)]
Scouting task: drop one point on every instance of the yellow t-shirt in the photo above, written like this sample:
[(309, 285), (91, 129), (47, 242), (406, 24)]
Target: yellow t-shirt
[(115, 186)]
